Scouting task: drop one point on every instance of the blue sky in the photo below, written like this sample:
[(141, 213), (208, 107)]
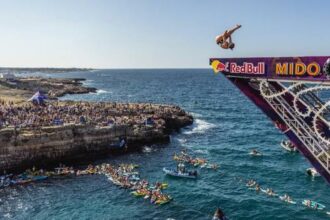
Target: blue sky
[(156, 33)]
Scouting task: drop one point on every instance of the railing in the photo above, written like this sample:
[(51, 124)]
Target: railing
[(296, 124)]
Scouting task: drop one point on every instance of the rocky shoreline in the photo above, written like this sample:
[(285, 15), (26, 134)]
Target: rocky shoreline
[(73, 140), (20, 89)]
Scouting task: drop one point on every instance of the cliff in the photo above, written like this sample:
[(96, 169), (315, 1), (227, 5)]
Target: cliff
[(72, 143)]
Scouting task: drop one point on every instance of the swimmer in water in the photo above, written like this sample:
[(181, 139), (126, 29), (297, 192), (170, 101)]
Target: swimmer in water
[(225, 40)]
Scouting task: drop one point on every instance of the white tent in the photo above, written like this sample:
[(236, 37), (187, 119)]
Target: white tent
[(8, 76)]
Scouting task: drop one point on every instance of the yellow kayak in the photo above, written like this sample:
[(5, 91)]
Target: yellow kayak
[(163, 201), (136, 193), (164, 185)]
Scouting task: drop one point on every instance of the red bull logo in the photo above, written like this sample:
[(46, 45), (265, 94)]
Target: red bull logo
[(219, 67), (245, 68)]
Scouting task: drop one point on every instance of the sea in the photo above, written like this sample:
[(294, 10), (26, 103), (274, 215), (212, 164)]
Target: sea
[(226, 127)]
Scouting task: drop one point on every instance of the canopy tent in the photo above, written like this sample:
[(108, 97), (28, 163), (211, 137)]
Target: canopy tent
[(7, 76), (38, 98)]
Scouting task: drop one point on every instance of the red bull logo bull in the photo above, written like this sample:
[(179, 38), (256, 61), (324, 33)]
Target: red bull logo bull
[(219, 67)]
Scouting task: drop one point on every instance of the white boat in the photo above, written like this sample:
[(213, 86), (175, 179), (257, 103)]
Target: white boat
[(287, 145), (312, 172)]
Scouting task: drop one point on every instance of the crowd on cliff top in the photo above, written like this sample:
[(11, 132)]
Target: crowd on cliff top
[(102, 114)]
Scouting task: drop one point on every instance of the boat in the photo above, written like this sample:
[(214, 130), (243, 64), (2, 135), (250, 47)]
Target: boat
[(313, 204), (283, 198), (288, 146), (189, 175), (21, 181), (312, 172)]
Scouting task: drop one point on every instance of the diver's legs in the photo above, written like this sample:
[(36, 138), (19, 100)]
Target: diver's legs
[(233, 29)]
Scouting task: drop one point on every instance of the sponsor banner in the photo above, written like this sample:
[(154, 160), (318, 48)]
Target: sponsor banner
[(314, 68), (236, 68)]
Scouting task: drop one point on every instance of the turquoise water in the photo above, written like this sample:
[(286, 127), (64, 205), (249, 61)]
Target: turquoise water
[(226, 127)]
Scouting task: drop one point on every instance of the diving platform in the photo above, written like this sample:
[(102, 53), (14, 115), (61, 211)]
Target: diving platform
[(294, 92)]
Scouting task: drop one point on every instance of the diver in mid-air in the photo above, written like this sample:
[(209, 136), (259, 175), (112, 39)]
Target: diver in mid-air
[(225, 40)]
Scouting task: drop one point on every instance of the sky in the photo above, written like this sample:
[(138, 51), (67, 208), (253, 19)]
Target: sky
[(156, 33)]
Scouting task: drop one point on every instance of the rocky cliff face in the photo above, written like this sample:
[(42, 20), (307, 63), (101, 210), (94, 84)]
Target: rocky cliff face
[(48, 146)]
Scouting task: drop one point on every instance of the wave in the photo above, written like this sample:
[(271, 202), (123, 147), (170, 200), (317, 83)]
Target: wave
[(201, 151), (182, 140), (147, 149), (195, 114), (200, 126), (88, 82), (101, 91)]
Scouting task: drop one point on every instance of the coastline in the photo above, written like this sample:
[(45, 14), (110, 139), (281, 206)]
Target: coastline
[(48, 145)]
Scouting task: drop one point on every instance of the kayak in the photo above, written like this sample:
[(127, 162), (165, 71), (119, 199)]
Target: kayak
[(163, 202), (285, 200), (312, 172), (175, 173), (21, 181), (265, 191), (162, 186), (115, 182), (313, 205), (137, 194), (258, 154), (210, 166), (134, 178), (287, 147)]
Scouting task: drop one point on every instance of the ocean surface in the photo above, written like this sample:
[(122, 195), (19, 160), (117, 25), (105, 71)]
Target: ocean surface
[(227, 126)]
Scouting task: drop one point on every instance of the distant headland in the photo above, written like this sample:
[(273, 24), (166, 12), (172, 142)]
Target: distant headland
[(43, 69)]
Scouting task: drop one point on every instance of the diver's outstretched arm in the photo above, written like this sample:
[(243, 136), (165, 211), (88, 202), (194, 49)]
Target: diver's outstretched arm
[(229, 32)]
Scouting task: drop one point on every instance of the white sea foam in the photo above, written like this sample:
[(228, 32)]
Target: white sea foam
[(182, 140), (196, 115), (88, 82), (147, 149), (201, 151), (200, 126), (101, 91)]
